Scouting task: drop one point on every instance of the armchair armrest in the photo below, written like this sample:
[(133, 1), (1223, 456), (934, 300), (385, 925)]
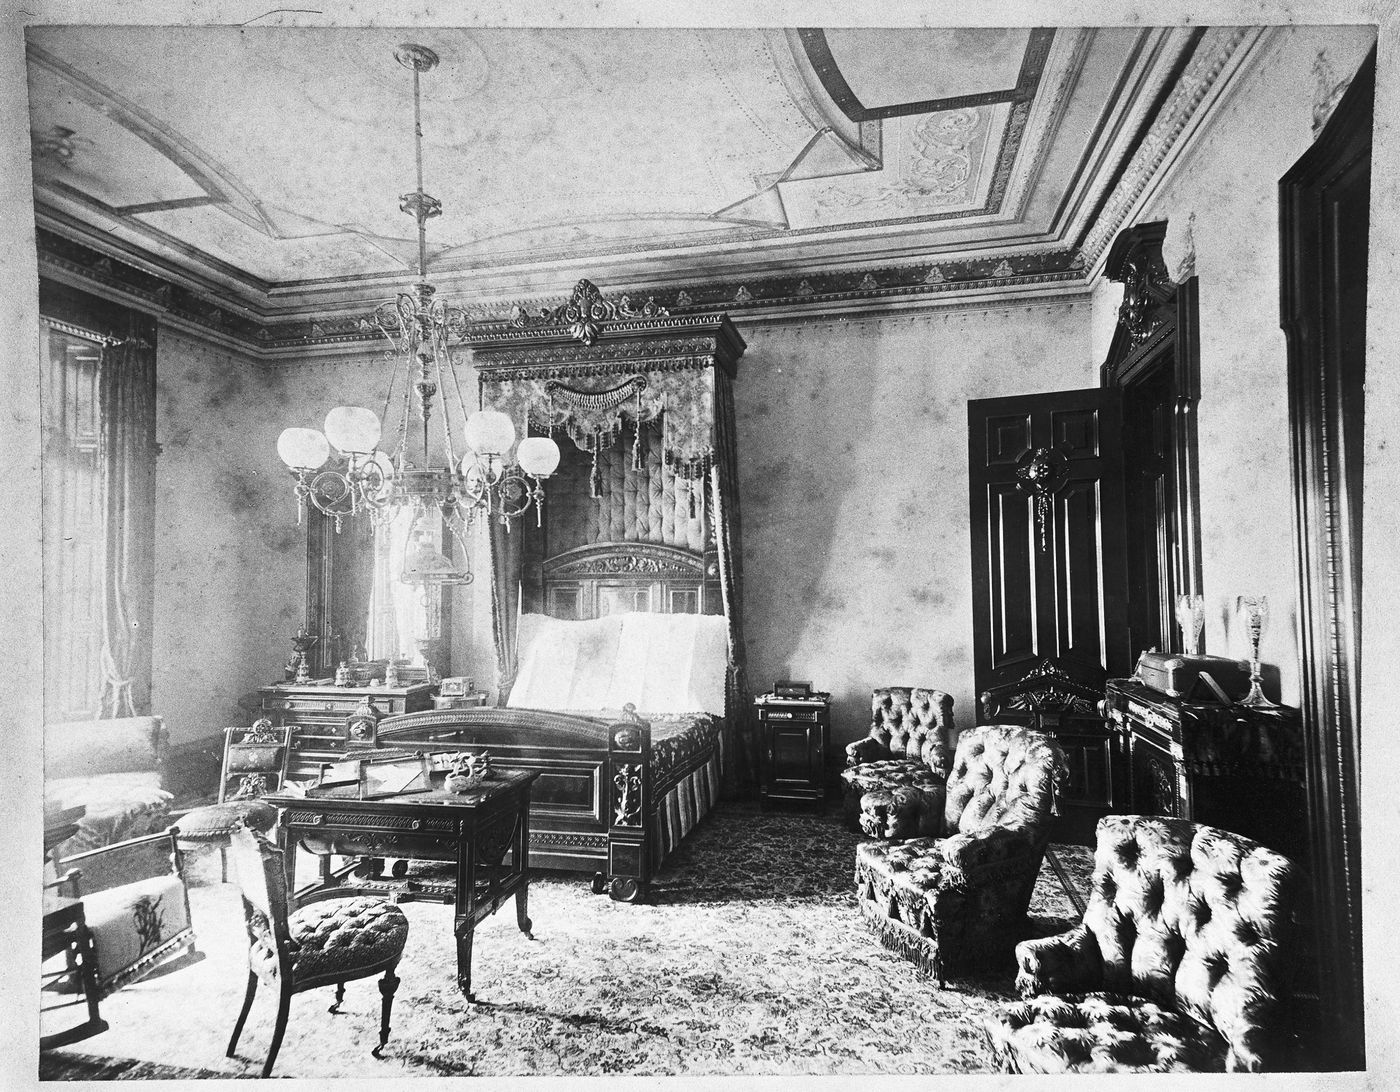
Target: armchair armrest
[(867, 749), (970, 853), (68, 880), (126, 862), (1069, 962)]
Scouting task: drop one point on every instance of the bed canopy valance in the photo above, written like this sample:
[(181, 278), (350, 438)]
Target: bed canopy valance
[(643, 513)]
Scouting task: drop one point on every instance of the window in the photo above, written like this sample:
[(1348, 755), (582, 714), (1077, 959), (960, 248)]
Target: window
[(72, 526), (98, 474)]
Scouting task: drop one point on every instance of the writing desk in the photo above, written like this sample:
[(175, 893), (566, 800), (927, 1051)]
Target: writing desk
[(485, 831)]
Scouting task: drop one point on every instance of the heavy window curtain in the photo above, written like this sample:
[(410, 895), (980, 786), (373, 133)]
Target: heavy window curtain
[(126, 455), (741, 775)]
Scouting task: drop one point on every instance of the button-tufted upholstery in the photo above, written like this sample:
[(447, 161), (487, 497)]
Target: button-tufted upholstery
[(906, 748), (1184, 918), (947, 899), (328, 941)]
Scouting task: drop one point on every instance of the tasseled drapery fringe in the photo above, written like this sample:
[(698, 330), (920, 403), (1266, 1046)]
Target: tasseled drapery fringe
[(920, 950)]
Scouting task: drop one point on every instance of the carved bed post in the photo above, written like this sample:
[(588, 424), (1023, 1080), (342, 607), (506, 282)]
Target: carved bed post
[(628, 782)]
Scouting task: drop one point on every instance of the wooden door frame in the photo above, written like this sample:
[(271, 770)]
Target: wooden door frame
[(1159, 326), (1328, 557)]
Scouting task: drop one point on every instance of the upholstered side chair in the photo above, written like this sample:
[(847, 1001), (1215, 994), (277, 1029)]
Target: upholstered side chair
[(135, 903), (895, 775), (1180, 964), (959, 896), (327, 941), (254, 764)]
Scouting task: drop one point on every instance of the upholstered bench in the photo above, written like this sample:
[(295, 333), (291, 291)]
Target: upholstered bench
[(112, 768), (894, 776)]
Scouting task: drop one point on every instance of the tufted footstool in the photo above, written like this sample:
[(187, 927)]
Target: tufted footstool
[(329, 941), (894, 777), (959, 896), (1101, 1033), (1180, 964)]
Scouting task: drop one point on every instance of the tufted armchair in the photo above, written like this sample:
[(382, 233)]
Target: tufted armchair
[(894, 777), (1178, 966), (961, 895)]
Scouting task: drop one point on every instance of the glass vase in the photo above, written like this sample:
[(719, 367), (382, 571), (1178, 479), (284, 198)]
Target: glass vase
[(1254, 609)]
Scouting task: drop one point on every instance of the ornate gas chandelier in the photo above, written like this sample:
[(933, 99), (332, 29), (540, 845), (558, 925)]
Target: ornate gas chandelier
[(343, 472)]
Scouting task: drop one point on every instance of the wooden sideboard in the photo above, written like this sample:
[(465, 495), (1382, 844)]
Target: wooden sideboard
[(319, 716), (1229, 766)]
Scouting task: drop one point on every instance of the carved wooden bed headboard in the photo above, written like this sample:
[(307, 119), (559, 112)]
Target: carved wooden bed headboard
[(643, 511), (617, 577), (628, 521)]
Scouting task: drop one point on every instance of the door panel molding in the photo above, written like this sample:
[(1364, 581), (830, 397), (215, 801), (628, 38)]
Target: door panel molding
[(1323, 223)]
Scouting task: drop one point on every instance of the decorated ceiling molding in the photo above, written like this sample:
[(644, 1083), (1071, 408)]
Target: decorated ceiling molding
[(752, 169)]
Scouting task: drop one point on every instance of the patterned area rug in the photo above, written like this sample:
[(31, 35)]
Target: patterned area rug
[(751, 960)]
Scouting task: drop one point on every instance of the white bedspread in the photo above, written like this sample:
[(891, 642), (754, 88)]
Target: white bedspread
[(660, 663)]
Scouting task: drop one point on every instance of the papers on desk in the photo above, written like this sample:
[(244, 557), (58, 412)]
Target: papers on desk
[(393, 778), (369, 779)]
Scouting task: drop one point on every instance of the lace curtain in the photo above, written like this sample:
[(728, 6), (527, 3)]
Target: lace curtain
[(126, 455)]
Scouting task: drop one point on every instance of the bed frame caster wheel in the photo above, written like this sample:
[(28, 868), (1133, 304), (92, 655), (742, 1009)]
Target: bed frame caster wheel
[(625, 889), (600, 883)]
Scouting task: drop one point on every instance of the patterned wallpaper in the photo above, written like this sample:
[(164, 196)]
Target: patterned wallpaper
[(853, 479)]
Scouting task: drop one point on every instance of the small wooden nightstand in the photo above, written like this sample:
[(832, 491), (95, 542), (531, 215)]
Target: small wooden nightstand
[(793, 744)]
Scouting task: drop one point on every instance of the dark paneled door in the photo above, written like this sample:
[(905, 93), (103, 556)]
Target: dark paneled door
[(1325, 222), (1048, 560)]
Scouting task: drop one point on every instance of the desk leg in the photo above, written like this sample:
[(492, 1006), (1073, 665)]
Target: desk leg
[(288, 845), (522, 866), (463, 926)]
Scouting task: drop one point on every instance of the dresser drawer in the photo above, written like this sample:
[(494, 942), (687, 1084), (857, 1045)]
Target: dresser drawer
[(302, 706)]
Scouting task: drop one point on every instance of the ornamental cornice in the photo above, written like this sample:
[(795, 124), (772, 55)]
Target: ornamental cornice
[(1212, 54), (700, 307)]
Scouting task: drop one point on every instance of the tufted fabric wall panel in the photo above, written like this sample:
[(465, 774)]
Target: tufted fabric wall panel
[(651, 504)]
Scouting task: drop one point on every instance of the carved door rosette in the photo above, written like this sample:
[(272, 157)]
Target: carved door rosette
[(1040, 474)]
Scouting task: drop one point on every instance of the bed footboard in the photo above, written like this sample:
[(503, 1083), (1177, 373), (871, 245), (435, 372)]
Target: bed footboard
[(601, 804)]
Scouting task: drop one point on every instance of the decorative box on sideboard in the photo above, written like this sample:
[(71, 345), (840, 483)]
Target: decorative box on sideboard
[(793, 741), (1230, 766), (323, 718)]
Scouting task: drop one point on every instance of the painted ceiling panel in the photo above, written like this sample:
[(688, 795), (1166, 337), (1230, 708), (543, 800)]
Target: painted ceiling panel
[(886, 66), (281, 154)]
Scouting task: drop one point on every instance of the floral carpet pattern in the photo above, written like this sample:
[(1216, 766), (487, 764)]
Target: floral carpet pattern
[(751, 959)]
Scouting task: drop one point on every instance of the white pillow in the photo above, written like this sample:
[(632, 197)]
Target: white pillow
[(564, 664), (672, 663), (660, 663)]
